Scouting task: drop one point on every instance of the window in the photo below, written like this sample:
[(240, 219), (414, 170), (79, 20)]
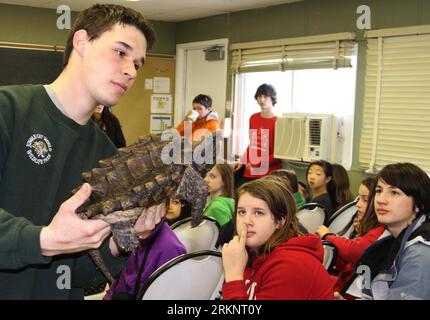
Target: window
[(396, 111), (304, 88)]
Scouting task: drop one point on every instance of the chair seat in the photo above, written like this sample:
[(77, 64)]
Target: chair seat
[(330, 255), (341, 223), (311, 216), (192, 276), (202, 237)]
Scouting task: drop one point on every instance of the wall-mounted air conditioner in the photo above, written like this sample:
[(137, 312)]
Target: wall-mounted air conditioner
[(305, 137)]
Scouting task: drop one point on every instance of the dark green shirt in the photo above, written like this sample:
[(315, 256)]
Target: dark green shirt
[(42, 156)]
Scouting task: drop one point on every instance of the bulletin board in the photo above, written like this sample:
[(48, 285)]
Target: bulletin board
[(148, 106)]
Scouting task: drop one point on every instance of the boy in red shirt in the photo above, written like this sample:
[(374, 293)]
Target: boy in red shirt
[(259, 158)]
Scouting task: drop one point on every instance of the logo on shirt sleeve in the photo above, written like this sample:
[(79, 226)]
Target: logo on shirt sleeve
[(39, 149)]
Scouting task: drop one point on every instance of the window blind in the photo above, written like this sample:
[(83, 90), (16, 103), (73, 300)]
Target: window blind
[(396, 112), (325, 51)]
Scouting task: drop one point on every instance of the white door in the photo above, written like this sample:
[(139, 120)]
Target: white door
[(195, 75)]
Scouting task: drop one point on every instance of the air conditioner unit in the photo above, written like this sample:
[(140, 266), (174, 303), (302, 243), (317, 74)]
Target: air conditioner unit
[(305, 137)]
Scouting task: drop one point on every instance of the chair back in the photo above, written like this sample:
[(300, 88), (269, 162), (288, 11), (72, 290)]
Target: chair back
[(343, 219), (330, 255), (311, 216), (202, 237), (192, 276)]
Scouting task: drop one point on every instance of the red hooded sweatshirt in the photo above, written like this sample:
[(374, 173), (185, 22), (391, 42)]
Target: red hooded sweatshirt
[(349, 252), (293, 271)]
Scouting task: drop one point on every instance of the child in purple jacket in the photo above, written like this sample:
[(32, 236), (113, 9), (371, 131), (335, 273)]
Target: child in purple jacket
[(156, 247)]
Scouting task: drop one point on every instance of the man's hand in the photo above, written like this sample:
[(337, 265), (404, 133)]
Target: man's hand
[(149, 218), (68, 233), (144, 225), (235, 257)]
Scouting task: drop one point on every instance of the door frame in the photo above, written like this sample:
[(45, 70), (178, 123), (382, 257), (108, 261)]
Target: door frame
[(181, 71)]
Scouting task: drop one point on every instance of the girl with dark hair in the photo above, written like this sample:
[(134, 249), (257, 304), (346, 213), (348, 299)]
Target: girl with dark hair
[(365, 219), (220, 181), (397, 266), (367, 231), (177, 210), (341, 179), (156, 246), (109, 124), (320, 180), (259, 157), (269, 258)]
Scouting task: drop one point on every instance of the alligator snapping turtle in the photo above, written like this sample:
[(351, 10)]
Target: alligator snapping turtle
[(145, 174)]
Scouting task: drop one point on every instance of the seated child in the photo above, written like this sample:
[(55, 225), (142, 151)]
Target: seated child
[(397, 265), (220, 181), (269, 258), (157, 245), (367, 231), (320, 179)]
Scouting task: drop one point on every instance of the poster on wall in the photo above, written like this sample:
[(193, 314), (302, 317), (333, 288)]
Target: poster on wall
[(161, 85), (149, 84), (161, 103), (160, 122)]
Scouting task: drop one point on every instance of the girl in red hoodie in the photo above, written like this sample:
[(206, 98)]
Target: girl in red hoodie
[(270, 258)]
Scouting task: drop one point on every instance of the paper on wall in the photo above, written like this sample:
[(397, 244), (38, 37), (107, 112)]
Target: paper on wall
[(160, 122), (161, 85), (148, 84), (161, 103)]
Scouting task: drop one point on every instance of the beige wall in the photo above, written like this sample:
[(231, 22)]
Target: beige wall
[(134, 109), (39, 26)]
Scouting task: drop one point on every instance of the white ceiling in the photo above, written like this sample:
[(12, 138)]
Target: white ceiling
[(163, 10)]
